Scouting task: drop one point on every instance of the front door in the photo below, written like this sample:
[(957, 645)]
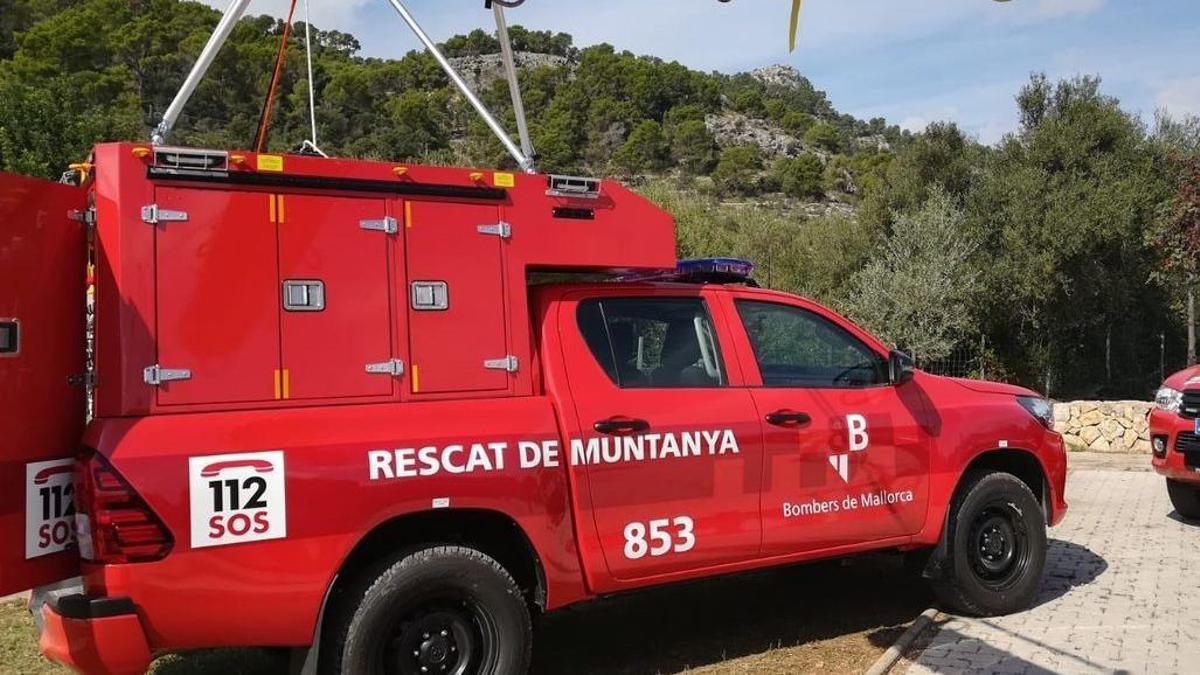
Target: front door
[(846, 455), (667, 449), (43, 261)]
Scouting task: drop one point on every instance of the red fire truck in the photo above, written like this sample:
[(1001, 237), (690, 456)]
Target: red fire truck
[(333, 409), (385, 415), (1175, 439)]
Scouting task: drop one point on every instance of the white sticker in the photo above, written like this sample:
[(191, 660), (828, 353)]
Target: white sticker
[(49, 507), (237, 498)]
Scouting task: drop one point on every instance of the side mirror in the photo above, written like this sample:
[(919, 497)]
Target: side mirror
[(900, 367)]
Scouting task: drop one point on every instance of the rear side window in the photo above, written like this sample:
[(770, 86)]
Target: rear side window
[(653, 343), (797, 348)]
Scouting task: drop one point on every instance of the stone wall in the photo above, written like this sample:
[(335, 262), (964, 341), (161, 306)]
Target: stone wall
[(1104, 426)]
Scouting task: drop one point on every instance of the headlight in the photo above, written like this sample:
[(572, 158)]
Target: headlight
[(1040, 408), (1168, 399)]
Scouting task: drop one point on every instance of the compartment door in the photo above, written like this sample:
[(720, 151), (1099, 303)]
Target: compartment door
[(456, 299), (336, 300), (218, 299), (43, 261)]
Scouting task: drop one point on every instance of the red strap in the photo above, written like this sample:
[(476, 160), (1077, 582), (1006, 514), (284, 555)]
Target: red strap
[(260, 140)]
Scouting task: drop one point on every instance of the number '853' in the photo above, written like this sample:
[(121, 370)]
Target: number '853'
[(659, 537)]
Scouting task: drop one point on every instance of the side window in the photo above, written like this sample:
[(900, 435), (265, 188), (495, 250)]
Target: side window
[(650, 343), (797, 348)]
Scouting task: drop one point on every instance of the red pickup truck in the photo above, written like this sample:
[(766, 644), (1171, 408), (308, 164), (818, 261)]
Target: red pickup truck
[(1175, 439), (385, 415)]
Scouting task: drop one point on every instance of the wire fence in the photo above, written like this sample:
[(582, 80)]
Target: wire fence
[(1119, 375)]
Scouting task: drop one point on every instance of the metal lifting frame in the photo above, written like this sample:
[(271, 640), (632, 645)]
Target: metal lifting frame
[(523, 155)]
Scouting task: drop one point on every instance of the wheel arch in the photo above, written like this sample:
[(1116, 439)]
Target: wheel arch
[(491, 532), (1023, 464)]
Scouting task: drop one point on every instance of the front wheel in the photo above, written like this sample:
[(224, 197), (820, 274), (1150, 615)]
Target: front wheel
[(1185, 497), (995, 545), (447, 610)]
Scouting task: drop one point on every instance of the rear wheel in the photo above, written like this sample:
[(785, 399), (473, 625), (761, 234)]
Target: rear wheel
[(995, 542), (439, 611), (1185, 497)]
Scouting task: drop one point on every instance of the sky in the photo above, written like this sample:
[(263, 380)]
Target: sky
[(910, 61)]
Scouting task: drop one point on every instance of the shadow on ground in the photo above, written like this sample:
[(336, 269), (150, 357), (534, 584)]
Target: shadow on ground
[(1068, 565), (1190, 522), (702, 623)]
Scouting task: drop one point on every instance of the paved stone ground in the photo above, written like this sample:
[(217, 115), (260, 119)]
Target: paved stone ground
[(1121, 592)]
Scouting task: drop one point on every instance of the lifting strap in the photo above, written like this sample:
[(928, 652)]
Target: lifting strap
[(260, 140)]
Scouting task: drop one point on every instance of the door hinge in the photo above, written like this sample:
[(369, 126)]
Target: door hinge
[(508, 364), (157, 375), (500, 229), (152, 215), (388, 225), (81, 381), (395, 368), (85, 216)]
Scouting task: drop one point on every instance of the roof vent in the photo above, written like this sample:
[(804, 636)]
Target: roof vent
[(189, 161), (573, 186)]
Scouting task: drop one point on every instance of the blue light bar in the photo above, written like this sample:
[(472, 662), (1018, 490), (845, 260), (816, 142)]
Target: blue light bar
[(731, 267)]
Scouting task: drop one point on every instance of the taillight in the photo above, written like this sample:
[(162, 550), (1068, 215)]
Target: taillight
[(115, 525)]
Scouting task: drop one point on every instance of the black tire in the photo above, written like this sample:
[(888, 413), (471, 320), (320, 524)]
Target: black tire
[(451, 609), (995, 547), (1185, 497)]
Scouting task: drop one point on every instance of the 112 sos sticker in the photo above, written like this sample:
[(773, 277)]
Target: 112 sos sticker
[(237, 498), (49, 507)]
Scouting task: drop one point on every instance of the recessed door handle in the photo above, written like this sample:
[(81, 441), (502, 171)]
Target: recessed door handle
[(621, 425), (788, 418)]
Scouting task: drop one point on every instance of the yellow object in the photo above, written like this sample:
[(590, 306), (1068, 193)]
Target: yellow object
[(795, 24), (272, 163), (400, 170), (84, 169), (416, 378), (141, 153), (283, 385), (275, 208), (238, 159), (407, 215), (506, 180), (476, 176)]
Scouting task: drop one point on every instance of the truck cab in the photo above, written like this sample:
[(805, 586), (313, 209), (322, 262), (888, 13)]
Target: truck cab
[(385, 414), (1175, 439)]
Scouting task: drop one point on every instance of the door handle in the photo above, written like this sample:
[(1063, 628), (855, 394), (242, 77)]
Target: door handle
[(788, 418), (621, 425)]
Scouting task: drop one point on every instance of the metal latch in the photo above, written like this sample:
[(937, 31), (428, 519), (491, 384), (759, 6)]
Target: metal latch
[(152, 215), (156, 375), (508, 364), (85, 216), (500, 229), (304, 295), (388, 225), (395, 368)]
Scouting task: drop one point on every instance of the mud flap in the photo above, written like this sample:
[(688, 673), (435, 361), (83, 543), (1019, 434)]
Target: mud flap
[(43, 287)]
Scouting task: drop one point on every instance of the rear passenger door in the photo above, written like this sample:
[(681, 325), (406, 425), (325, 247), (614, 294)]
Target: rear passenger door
[(666, 449)]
